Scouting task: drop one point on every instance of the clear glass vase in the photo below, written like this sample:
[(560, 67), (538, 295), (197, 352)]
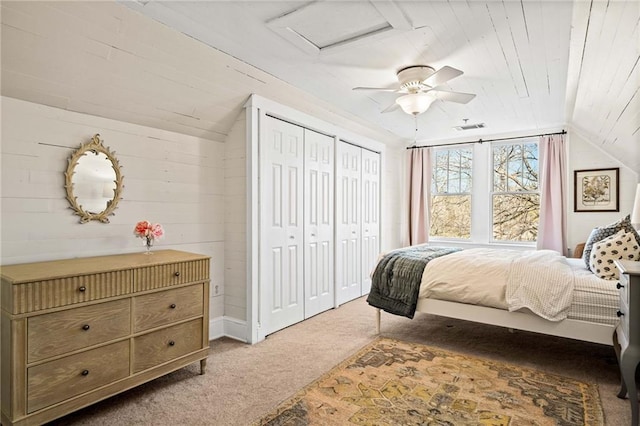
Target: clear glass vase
[(148, 243)]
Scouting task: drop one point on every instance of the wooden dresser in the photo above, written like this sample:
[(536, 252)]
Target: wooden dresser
[(80, 330)]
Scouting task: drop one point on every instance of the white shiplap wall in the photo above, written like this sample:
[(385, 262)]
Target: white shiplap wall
[(586, 154), (235, 232), (170, 178)]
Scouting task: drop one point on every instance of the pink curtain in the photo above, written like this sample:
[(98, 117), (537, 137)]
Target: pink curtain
[(419, 177), (552, 229)]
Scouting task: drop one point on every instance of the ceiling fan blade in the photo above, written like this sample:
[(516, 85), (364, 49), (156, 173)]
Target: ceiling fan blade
[(461, 98), (443, 75), (379, 89), (394, 106)]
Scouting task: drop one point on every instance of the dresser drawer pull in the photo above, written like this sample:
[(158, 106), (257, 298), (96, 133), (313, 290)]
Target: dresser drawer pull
[(619, 286), (619, 313), (86, 327), (172, 343), (82, 289), (85, 372), (172, 306), (176, 273)]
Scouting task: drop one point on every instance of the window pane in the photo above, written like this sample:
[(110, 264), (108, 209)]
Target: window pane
[(465, 183), (499, 168), (516, 217), (451, 216), (454, 182), (440, 171), (530, 173), (452, 171), (514, 169), (440, 180)]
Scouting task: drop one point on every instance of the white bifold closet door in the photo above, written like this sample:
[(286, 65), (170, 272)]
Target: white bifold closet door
[(370, 215), (296, 224), (281, 225), (357, 219), (318, 223), (348, 248)]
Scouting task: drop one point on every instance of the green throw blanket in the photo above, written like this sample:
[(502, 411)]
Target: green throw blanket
[(396, 280)]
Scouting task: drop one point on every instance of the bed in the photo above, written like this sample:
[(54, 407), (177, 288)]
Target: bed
[(536, 290)]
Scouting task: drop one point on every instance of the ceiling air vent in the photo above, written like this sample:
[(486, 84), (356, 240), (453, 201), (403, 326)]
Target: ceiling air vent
[(470, 126)]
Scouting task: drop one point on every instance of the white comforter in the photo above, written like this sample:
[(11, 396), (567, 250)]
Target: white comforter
[(538, 280)]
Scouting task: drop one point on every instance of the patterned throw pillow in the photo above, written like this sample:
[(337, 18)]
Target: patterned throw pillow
[(622, 245), (599, 234)]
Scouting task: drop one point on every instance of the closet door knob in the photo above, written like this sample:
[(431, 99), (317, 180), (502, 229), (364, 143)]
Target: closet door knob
[(82, 288), (85, 372), (619, 286), (85, 327), (172, 343), (176, 273), (172, 306), (619, 313)]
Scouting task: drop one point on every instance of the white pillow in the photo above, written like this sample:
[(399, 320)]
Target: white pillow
[(622, 245)]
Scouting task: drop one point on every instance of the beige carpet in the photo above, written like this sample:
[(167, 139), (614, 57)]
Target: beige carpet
[(245, 382)]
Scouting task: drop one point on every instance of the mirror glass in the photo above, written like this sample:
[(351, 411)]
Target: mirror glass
[(93, 181)]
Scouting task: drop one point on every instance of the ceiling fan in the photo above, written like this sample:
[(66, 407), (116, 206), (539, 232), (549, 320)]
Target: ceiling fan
[(420, 84)]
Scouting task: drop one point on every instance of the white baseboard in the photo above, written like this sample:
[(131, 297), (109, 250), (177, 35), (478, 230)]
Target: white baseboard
[(216, 328), (227, 327)]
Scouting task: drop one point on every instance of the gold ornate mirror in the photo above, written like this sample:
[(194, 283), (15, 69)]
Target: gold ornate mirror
[(93, 181)]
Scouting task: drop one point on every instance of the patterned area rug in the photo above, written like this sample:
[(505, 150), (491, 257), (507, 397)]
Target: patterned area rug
[(389, 382)]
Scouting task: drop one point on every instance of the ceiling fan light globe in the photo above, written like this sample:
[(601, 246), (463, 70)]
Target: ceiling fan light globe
[(415, 103)]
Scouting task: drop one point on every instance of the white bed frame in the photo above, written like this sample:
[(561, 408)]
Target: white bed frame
[(570, 328)]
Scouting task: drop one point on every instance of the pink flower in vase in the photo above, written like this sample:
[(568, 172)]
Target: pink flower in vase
[(142, 229), (157, 231), (148, 232)]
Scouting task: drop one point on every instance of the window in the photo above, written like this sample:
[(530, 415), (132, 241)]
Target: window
[(451, 193), (515, 197), (486, 193)]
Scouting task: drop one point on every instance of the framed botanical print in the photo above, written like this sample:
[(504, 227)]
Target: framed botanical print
[(596, 190)]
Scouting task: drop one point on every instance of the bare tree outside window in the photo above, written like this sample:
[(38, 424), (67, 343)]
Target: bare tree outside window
[(451, 193), (516, 197)]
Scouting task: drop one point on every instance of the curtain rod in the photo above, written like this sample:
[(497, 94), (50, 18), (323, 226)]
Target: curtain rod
[(488, 140)]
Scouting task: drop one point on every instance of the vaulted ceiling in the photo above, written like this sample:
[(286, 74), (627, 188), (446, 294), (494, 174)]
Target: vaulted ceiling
[(534, 65), (514, 54)]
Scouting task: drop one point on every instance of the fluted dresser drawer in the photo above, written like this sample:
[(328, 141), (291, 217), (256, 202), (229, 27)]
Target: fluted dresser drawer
[(166, 275), (169, 343), (39, 295), (66, 331), (157, 309), (64, 378)]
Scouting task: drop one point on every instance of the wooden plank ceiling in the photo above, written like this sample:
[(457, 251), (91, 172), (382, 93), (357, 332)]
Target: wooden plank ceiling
[(603, 95), (534, 65)]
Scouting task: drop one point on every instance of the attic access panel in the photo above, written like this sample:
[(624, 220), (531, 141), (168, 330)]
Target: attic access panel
[(321, 26)]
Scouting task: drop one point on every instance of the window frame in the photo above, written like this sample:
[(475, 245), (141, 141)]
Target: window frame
[(491, 191), (470, 194), (481, 196)]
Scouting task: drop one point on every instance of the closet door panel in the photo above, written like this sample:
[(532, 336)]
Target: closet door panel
[(370, 215), (349, 252), (282, 224), (318, 233)]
